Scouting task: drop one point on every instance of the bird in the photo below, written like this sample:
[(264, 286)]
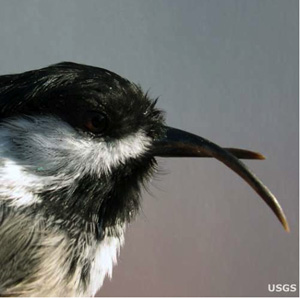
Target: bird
[(78, 143)]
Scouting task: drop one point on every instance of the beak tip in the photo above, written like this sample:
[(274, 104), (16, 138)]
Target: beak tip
[(286, 227), (259, 156)]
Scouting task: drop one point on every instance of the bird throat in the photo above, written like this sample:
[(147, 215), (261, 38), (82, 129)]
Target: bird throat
[(99, 204)]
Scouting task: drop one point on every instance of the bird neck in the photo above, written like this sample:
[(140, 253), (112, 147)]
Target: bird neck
[(99, 204)]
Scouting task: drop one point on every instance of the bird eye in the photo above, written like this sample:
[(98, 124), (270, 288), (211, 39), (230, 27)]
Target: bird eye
[(96, 122)]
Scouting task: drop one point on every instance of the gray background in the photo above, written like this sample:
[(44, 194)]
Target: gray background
[(226, 70)]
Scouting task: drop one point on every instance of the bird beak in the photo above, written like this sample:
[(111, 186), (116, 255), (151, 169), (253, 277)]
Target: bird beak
[(179, 143)]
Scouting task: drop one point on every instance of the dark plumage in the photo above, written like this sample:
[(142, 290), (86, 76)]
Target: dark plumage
[(69, 90)]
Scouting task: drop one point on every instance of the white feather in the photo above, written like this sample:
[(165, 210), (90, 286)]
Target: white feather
[(31, 148), (56, 253)]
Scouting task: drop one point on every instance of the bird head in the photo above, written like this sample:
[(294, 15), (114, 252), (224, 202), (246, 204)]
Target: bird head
[(78, 142)]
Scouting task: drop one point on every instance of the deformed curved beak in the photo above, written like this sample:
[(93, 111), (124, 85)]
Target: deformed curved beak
[(178, 143)]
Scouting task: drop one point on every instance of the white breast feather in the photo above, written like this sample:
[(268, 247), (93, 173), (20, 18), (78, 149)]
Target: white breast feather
[(56, 253)]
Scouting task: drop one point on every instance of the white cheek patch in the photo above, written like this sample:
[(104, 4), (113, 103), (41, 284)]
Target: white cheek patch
[(104, 156), (16, 185), (45, 152)]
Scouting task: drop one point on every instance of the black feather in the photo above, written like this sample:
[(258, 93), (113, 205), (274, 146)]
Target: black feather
[(68, 90)]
